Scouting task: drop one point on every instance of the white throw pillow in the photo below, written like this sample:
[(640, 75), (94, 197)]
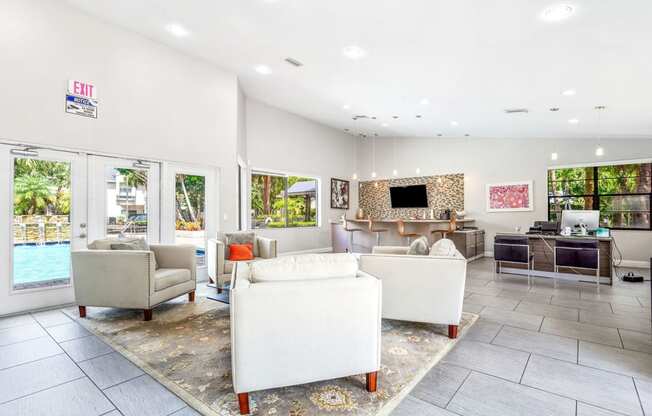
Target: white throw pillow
[(443, 248), (304, 267), (419, 247)]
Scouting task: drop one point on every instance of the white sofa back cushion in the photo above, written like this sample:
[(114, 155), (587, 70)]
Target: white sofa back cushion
[(304, 267), (443, 248)]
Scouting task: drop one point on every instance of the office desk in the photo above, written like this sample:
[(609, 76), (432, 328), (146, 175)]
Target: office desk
[(543, 248)]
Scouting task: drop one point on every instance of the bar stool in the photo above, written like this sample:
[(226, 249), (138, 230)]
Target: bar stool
[(350, 231), (400, 225), (513, 249), (452, 227), (378, 231), (578, 254)]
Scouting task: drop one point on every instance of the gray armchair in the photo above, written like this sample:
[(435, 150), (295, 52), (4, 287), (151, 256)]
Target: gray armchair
[(131, 279), (220, 268)]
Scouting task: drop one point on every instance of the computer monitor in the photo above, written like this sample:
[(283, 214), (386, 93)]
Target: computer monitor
[(573, 219)]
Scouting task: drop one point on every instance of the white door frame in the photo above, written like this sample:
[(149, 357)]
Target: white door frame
[(12, 300), (97, 166)]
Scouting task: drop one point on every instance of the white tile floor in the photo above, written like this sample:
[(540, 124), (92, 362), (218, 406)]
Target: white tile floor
[(537, 351)]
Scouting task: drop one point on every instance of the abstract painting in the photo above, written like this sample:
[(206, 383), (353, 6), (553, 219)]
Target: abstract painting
[(510, 196), (339, 193)]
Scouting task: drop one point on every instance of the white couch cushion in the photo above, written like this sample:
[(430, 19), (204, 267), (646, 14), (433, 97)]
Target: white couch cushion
[(443, 248), (165, 278), (419, 247), (304, 267)]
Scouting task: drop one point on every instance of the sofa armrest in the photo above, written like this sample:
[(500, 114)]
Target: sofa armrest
[(113, 278), (389, 250), (176, 257), (215, 258), (267, 247), (334, 321)]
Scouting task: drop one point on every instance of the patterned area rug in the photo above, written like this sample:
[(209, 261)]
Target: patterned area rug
[(187, 348)]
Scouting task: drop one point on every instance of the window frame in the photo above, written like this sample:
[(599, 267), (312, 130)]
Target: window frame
[(285, 176), (596, 195)]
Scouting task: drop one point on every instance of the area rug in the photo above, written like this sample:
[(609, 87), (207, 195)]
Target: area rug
[(187, 348)]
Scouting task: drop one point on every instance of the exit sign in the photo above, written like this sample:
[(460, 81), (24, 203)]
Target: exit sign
[(82, 89)]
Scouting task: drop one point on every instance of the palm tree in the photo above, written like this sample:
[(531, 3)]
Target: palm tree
[(32, 195)]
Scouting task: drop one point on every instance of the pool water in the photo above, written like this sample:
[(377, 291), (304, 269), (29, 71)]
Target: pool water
[(33, 264)]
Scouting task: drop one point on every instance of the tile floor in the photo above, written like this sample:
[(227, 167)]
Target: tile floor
[(544, 351), (534, 351)]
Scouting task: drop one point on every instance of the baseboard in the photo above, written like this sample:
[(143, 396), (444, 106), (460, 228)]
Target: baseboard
[(635, 264), (313, 250)]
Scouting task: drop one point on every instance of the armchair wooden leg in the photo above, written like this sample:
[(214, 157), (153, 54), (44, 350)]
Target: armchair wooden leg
[(452, 331), (191, 296), (82, 311), (372, 382), (148, 314), (243, 400)]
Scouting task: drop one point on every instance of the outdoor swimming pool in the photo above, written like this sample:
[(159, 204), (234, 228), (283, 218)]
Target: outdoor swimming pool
[(34, 265)]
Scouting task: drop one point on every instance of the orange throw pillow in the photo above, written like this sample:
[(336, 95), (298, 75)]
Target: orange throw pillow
[(238, 252)]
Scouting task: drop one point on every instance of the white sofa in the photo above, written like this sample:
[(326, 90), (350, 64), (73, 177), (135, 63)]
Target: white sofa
[(301, 319), (220, 267), (130, 279), (419, 288)]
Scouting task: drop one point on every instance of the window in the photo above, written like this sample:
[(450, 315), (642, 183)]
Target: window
[(281, 201), (622, 193)]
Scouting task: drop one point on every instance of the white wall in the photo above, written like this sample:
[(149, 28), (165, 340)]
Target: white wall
[(154, 102), (500, 160), (280, 141)]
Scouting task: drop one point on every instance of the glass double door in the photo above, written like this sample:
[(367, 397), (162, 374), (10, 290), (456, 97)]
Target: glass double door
[(55, 202)]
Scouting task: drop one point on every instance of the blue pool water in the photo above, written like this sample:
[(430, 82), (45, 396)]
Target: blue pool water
[(33, 264)]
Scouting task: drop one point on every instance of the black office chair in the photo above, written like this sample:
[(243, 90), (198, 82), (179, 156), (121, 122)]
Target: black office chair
[(513, 249), (578, 254)]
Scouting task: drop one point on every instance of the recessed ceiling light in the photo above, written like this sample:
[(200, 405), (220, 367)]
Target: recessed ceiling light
[(354, 52), (263, 69), (573, 121), (557, 12), (385, 125), (177, 30), (418, 170), (424, 101), (346, 107), (569, 93), (599, 151), (394, 172), (454, 123), (554, 156)]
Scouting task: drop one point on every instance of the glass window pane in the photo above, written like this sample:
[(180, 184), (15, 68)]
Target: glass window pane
[(41, 223), (571, 181), (126, 202), (190, 200), (302, 202), (625, 179), (267, 201), (556, 205), (625, 211)]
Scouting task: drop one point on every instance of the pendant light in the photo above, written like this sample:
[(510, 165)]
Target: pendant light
[(599, 150), (355, 160), (373, 157), (395, 171)]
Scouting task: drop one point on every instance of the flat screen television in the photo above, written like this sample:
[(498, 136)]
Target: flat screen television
[(413, 196)]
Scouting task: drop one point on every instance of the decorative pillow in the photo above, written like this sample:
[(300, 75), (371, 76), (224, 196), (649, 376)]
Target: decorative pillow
[(239, 238), (132, 244), (419, 247), (239, 252), (444, 248), (305, 267)]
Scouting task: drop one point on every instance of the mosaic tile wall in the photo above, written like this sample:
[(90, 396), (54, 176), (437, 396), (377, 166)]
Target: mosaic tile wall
[(444, 192)]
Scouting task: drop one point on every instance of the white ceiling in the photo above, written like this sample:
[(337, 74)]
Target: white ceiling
[(470, 58)]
